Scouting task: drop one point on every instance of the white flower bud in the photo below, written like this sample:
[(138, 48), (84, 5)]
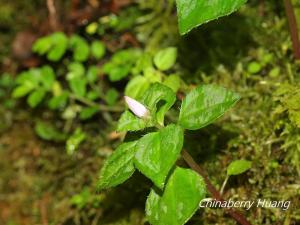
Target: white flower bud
[(136, 107)]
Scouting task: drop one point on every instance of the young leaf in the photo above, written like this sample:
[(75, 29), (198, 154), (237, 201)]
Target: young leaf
[(78, 86), (136, 87), (48, 132), (47, 77), (204, 105), (111, 96), (92, 74), (157, 152), (98, 49), (80, 48), (22, 90), (36, 97), (153, 75), (118, 167), (165, 58), (75, 70), (117, 73), (59, 44), (121, 64), (42, 45), (179, 201), (144, 62), (254, 67), (159, 99), (129, 122), (237, 167), (173, 82), (192, 13), (74, 141)]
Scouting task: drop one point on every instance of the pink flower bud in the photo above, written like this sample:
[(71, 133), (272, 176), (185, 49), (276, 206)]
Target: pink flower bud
[(136, 107)]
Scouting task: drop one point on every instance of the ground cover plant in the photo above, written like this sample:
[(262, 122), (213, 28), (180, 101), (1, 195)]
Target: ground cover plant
[(138, 112)]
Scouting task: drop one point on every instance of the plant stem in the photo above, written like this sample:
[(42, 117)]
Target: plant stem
[(223, 185), (52, 15), (293, 27), (214, 192), (101, 107)]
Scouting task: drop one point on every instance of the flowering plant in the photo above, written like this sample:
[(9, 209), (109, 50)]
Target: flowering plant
[(177, 191)]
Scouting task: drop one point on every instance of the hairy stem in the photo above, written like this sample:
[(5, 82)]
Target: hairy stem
[(214, 192), (293, 27)]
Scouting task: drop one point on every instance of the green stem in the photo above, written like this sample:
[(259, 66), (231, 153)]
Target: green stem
[(101, 107), (224, 184)]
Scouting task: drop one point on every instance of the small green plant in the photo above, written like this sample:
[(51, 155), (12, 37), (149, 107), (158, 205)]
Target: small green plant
[(235, 168), (177, 192), (156, 153)]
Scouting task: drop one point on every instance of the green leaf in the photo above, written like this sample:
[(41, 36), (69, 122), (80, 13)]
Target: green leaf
[(192, 13), (153, 75), (254, 67), (92, 28), (173, 82), (82, 199), (238, 166), (143, 62), (117, 73), (36, 97), (129, 122), (92, 74), (74, 141), (88, 112), (204, 105), (31, 77), (118, 167), (81, 49), (98, 49), (47, 77), (22, 90), (157, 152), (111, 96), (42, 45), (48, 132), (121, 64), (78, 86), (159, 99), (165, 58), (136, 87), (59, 45), (75, 70), (58, 102), (179, 201)]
